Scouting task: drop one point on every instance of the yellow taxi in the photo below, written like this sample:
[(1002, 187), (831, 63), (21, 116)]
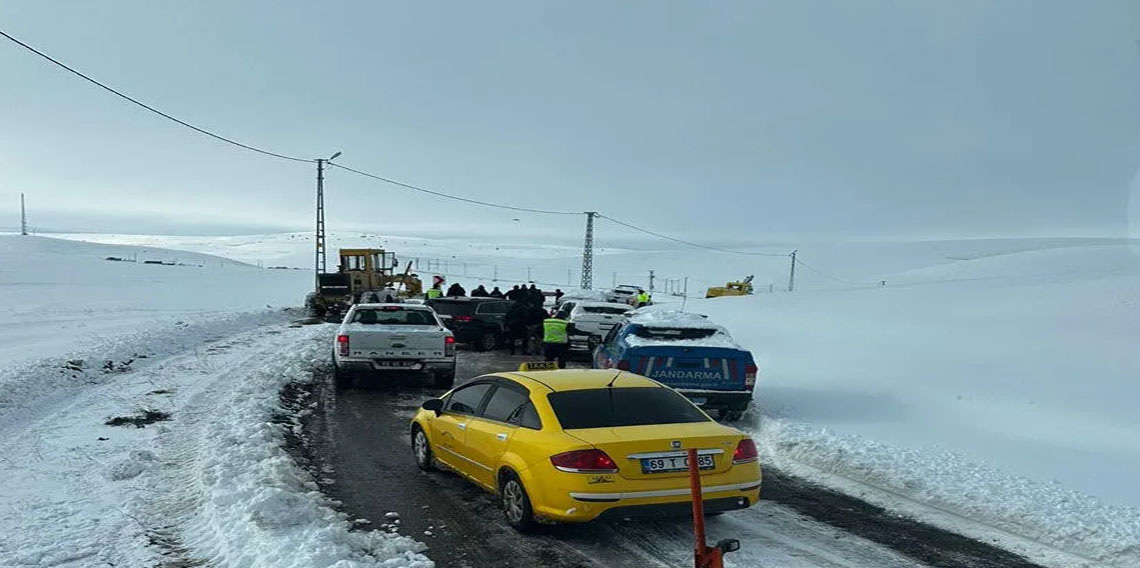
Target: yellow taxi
[(572, 445)]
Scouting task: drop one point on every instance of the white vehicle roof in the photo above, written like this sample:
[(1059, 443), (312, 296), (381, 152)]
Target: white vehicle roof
[(626, 288), (673, 318)]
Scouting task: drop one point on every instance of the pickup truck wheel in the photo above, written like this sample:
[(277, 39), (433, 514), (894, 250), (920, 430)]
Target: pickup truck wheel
[(342, 378), (421, 449), (445, 380), (487, 342)]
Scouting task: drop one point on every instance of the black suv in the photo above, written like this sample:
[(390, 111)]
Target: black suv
[(478, 321)]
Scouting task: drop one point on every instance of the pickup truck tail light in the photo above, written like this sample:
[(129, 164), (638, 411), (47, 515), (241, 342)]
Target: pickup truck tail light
[(745, 452), (449, 345), (750, 375), (584, 461), (342, 343), (463, 319)]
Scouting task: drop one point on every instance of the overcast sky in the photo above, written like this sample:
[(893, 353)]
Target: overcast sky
[(720, 120)]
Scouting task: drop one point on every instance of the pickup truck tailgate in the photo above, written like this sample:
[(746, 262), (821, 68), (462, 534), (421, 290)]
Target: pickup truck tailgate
[(395, 341)]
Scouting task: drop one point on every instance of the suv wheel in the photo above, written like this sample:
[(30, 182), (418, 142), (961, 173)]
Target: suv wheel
[(445, 379), (487, 342)]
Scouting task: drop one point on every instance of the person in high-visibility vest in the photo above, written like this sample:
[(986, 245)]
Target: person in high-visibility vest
[(556, 340), (433, 293), (643, 298)]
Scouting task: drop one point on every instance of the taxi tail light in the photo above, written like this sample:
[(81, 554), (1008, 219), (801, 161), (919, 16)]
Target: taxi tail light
[(342, 342), (584, 461), (750, 375), (745, 452), (449, 345)]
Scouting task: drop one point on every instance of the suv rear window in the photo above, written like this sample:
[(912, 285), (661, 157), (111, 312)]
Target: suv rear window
[(613, 407), (672, 333), (451, 308), (604, 310), (393, 315)]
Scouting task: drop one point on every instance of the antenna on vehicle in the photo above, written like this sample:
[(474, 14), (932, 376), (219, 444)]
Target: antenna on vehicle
[(613, 379)]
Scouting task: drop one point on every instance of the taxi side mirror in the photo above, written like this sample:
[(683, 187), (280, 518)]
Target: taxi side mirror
[(728, 545), (433, 404)]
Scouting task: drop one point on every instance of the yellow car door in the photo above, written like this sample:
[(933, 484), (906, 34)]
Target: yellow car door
[(489, 433), (449, 429)]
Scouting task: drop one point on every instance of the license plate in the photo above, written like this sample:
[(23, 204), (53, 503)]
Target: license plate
[(398, 364), (678, 463)]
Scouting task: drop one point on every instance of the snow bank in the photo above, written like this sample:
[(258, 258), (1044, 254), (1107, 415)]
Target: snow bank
[(1001, 388), (255, 506)]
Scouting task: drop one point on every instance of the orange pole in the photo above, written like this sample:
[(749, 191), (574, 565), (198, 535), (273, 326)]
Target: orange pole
[(704, 556), (698, 510)]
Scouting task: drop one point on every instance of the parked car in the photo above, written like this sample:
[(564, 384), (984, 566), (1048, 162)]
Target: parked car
[(574, 445), (589, 322), (686, 352), (377, 338), (477, 321)]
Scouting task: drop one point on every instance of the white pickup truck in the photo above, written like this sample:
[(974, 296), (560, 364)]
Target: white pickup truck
[(378, 338)]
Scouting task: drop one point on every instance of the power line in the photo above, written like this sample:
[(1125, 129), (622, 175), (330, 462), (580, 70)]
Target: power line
[(690, 243), (449, 196), (146, 106), (831, 276)]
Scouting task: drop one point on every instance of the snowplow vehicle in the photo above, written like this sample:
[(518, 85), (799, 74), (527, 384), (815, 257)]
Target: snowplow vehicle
[(741, 288), (362, 273)]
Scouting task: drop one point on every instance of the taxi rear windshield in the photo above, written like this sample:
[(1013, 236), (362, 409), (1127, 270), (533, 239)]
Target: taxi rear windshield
[(614, 407)]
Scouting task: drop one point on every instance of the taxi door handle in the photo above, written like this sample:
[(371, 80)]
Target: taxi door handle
[(502, 437), (462, 425)]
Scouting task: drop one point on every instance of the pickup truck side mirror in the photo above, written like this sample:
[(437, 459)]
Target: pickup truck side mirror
[(433, 404), (728, 545)]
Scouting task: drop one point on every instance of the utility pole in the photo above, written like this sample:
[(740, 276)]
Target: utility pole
[(792, 274), (685, 294), (528, 278), (569, 276), (614, 283), (319, 261), (588, 253), (650, 282), (496, 278), (23, 217)]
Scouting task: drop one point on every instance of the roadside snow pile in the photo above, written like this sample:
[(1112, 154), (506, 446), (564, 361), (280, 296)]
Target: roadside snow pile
[(180, 461), (1002, 389), (256, 507)]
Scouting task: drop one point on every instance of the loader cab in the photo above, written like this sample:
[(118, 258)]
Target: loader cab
[(367, 269)]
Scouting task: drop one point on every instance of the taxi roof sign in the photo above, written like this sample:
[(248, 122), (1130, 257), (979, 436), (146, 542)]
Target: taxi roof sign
[(539, 366)]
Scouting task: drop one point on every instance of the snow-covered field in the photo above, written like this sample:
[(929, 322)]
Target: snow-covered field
[(988, 386)]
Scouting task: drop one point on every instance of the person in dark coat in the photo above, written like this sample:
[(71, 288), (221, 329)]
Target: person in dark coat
[(515, 294), (516, 321), (496, 293), (536, 295), (558, 293), (479, 292), (455, 291)]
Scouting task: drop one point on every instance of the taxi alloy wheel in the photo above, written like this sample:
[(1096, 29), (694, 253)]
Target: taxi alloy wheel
[(516, 504), (422, 449)]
